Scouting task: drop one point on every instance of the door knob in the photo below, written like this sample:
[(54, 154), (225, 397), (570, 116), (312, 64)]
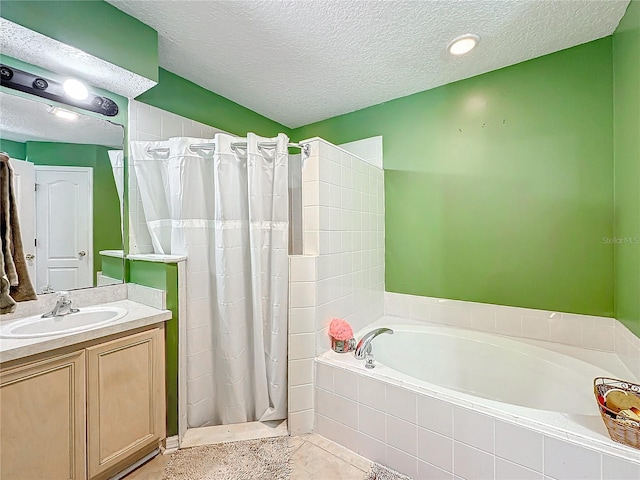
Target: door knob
[(82, 253), (30, 256)]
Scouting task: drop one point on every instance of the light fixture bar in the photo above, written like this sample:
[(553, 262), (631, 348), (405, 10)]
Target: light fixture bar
[(26, 82)]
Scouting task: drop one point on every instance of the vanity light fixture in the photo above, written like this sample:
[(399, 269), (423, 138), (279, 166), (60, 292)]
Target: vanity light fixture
[(70, 92), (463, 44), (75, 89), (63, 113)]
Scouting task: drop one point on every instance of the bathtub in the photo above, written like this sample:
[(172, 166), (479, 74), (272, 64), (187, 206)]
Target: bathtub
[(486, 404)]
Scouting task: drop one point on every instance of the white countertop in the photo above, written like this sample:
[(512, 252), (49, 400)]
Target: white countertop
[(138, 315)]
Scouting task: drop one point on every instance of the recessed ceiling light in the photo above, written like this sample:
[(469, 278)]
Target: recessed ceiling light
[(463, 44), (75, 89), (64, 114)]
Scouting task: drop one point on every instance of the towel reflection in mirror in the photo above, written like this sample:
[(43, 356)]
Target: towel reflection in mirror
[(15, 284)]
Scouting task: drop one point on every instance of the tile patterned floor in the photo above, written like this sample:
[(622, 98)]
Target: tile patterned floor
[(313, 458)]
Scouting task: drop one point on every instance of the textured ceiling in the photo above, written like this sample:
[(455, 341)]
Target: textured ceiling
[(23, 120), (32, 47), (301, 61)]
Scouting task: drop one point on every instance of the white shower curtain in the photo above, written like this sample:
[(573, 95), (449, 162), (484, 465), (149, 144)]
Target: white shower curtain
[(228, 212)]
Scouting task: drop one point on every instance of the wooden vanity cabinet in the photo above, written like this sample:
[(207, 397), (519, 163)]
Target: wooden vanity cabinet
[(42, 419), (125, 393), (88, 413)]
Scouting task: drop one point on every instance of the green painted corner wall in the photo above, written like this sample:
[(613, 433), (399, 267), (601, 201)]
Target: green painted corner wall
[(499, 188), (93, 26), (107, 234), (17, 150), (182, 97), (626, 89), (164, 276)]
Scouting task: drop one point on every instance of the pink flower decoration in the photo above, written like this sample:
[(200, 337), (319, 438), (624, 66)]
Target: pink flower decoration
[(340, 330)]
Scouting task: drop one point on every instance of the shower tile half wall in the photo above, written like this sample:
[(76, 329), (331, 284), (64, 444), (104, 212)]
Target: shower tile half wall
[(341, 273)]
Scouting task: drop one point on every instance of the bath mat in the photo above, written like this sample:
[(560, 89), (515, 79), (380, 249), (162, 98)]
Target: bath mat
[(250, 459), (380, 472)]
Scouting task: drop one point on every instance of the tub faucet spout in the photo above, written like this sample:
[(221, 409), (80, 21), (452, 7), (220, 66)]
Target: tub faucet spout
[(364, 345)]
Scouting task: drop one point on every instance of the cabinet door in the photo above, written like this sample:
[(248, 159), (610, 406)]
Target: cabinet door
[(42, 420), (125, 400)]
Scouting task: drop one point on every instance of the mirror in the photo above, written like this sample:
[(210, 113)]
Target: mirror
[(69, 178)]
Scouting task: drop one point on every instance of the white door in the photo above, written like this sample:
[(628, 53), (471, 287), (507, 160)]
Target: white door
[(24, 179), (64, 227)]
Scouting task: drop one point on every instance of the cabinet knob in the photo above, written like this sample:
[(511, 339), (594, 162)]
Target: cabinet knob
[(82, 253), (30, 256)]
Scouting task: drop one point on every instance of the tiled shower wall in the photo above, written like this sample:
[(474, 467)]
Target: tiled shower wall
[(341, 273)]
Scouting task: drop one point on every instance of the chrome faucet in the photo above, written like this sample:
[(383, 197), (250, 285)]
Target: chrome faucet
[(363, 349), (63, 306)]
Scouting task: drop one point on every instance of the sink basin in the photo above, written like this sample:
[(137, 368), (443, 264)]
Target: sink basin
[(86, 319)]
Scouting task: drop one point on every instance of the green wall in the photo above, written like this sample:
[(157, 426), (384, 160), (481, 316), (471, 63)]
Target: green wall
[(165, 277), (15, 150), (106, 204), (499, 188), (626, 89), (185, 98), (93, 26)]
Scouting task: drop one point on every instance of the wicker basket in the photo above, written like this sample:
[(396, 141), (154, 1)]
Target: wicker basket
[(621, 431)]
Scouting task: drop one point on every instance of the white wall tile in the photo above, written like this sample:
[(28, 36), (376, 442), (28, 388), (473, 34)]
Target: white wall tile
[(510, 471), (335, 229), (369, 149), (302, 320), (435, 415), (401, 403), (302, 346), (519, 445), (535, 327), (303, 268), (338, 408), (303, 294), (324, 376), (426, 471), (336, 432), (371, 393), (372, 422), (372, 449), (474, 429), (402, 462), (614, 468), (567, 461), (471, 463), (301, 398), (435, 449), (599, 333), (300, 422), (345, 383), (402, 435), (597, 336), (300, 372)]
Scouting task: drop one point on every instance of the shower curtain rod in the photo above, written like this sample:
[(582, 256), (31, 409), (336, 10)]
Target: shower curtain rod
[(212, 146)]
